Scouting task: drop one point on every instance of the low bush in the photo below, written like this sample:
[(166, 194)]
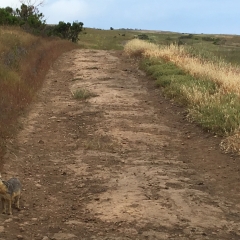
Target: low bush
[(65, 30)]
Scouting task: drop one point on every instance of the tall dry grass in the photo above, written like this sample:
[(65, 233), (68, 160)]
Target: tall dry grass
[(24, 62), (224, 74), (215, 108)]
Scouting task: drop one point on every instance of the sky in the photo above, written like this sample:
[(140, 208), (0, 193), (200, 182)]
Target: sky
[(184, 16)]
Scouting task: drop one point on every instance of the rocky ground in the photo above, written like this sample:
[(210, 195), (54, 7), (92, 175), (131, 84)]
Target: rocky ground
[(123, 164)]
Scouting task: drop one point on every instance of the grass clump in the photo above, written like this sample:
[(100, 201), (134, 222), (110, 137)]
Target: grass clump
[(83, 94), (209, 88), (101, 144), (220, 114)]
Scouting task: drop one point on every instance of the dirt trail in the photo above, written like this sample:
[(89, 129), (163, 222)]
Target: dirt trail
[(122, 165)]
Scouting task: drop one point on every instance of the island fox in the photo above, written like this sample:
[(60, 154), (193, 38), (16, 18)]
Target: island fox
[(10, 192)]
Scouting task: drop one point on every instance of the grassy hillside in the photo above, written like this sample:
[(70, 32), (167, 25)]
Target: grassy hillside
[(24, 61)]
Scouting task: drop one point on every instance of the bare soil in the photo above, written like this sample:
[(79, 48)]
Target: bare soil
[(124, 164)]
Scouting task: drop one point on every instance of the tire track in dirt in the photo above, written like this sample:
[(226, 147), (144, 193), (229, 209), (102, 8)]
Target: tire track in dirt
[(111, 167)]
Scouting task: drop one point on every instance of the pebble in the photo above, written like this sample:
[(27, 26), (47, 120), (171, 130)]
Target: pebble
[(38, 185), (45, 238)]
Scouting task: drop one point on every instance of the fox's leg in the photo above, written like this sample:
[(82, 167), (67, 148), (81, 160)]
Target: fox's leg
[(17, 202), (4, 205), (10, 206)]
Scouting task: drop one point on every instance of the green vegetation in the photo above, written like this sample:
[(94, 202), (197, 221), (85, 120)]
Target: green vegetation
[(65, 30)]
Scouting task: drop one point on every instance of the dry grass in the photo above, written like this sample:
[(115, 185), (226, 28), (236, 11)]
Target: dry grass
[(138, 47), (211, 93), (224, 74), (83, 94), (14, 36)]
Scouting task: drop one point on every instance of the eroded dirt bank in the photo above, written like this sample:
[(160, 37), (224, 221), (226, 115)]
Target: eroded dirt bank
[(122, 165)]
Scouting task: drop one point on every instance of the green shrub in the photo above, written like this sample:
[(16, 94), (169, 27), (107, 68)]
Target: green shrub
[(7, 17), (66, 30), (143, 37)]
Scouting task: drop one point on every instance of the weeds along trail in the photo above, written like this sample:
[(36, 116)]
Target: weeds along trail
[(210, 89), (102, 155)]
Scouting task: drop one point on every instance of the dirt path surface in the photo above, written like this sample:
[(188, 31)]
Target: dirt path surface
[(122, 165)]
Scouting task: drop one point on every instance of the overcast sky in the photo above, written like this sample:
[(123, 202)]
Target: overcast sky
[(185, 16)]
